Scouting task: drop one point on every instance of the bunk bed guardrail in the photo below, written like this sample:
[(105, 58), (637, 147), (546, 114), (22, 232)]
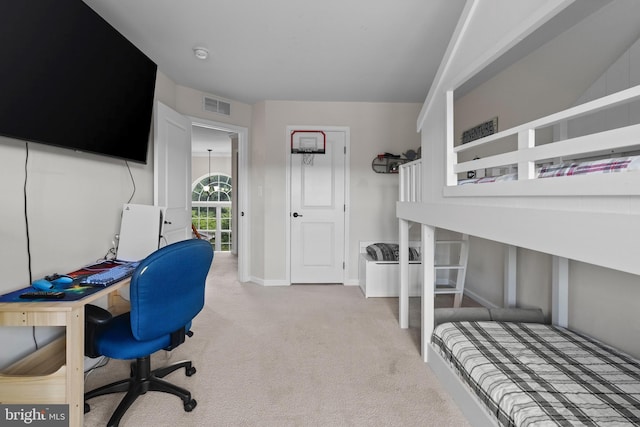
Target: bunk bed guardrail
[(411, 181), (527, 157)]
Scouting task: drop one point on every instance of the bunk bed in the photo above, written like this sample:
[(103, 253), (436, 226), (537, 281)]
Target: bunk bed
[(571, 196), (516, 390), (562, 201)]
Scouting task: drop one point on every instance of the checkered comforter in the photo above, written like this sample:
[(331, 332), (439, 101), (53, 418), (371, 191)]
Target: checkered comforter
[(530, 374)]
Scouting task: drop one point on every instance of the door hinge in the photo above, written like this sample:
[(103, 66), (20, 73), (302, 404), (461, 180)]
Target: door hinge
[(343, 265), (345, 150)]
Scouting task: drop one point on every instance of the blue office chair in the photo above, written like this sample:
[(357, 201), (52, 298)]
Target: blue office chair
[(167, 292)]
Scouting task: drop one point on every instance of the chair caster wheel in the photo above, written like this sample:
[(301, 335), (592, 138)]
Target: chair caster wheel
[(190, 371), (188, 407), (87, 408)]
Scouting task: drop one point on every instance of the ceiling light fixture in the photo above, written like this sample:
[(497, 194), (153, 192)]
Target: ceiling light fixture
[(201, 53), (207, 187)]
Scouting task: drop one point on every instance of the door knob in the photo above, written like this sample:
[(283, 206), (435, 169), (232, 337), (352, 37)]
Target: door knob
[(296, 215)]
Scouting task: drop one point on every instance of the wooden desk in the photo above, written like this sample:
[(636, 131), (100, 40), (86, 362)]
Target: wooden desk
[(71, 315)]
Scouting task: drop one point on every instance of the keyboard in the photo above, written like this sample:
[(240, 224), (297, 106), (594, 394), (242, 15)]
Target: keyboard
[(110, 276)]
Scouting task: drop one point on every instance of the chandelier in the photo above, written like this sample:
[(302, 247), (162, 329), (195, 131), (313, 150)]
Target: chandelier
[(207, 188)]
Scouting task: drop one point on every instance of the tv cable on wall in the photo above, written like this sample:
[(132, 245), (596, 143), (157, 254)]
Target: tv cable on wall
[(26, 223)]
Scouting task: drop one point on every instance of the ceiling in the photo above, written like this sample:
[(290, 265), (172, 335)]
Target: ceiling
[(328, 50)]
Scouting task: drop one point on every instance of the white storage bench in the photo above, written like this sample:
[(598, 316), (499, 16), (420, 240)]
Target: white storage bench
[(382, 278)]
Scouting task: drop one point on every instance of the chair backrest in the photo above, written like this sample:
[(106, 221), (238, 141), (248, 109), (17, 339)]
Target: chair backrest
[(168, 288)]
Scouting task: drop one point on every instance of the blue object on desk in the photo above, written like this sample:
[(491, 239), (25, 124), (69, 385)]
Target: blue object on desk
[(61, 280), (43, 285), (51, 282)]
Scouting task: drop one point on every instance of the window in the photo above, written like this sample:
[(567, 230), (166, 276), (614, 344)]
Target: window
[(212, 188), (211, 210)]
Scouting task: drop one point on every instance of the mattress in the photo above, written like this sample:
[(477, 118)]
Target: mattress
[(619, 164), (530, 374)]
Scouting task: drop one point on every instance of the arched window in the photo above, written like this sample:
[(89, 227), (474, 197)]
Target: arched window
[(212, 188), (211, 209)]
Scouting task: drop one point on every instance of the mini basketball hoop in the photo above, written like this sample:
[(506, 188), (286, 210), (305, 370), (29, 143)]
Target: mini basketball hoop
[(308, 142)]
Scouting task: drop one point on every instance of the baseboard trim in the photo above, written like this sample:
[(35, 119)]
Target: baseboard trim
[(262, 282), (484, 302)]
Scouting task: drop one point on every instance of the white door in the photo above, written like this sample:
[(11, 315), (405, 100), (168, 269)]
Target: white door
[(172, 171), (318, 213)]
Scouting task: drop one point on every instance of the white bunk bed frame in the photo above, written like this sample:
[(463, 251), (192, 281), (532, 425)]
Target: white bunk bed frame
[(551, 215)]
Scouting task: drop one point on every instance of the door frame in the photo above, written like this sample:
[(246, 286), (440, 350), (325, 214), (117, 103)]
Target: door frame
[(347, 196), (243, 185)]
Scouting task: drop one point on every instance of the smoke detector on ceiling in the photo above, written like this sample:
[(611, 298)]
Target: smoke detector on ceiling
[(201, 53)]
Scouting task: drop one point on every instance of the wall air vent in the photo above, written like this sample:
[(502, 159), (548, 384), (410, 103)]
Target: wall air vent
[(217, 106)]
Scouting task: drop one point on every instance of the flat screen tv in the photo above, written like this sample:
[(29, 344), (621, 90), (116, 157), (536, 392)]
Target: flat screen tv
[(69, 79)]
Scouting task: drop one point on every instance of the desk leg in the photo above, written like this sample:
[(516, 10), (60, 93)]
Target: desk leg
[(75, 366)]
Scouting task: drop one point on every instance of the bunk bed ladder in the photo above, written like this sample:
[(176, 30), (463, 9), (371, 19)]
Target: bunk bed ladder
[(450, 276)]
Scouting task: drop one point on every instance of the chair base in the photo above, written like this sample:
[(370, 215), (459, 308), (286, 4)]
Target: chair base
[(142, 379)]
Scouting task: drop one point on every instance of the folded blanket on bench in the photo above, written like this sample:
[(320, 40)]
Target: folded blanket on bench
[(390, 252)]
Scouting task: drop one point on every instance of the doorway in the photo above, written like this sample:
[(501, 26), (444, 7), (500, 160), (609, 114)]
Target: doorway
[(230, 144), (172, 176), (214, 173), (317, 202)]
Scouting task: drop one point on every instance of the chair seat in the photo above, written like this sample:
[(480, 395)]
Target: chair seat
[(118, 342)]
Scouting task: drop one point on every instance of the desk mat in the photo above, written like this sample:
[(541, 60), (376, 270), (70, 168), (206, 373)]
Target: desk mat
[(72, 291)]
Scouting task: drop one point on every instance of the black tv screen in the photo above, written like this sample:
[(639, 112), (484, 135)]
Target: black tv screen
[(69, 79)]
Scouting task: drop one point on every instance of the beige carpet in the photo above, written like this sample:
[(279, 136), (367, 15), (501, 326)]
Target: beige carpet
[(305, 355)]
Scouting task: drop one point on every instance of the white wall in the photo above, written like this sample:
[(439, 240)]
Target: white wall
[(374, 127), (219, 164), (624, 73), (258, 190)]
